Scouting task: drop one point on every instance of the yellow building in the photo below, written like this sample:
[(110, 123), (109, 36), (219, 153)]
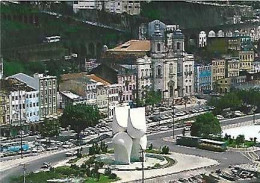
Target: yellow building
[(224, 85), (246, 58), (218, 70)]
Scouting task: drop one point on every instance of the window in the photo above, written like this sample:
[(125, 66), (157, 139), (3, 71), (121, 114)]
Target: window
[(158, 47), (171, 69), (159, 72), (178, 45)]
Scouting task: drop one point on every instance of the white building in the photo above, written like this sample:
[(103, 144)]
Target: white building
[(185, 73), (202, 39), (86, 5), (47, 88), (113, 6), (255, 66), (144, 69), (164, 64)]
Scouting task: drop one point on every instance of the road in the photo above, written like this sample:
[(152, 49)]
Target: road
[(225, 158)]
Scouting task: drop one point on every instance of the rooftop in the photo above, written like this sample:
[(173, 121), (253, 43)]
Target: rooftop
[(133, 46), (69, 94), (30, 81), (98, 79)]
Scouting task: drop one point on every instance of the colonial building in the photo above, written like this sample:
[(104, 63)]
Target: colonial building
[(144, 69), (255, 67), (202, 39), (232, 67), (218, 69), (163, 63), (46, 94), (246, 59), (224, 85), (114, 6), (202, 78)]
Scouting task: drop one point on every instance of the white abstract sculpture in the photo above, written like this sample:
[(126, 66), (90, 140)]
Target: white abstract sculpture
[(122, 147), (129, 128)]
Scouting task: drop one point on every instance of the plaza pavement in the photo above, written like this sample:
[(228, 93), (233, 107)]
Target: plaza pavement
[(183, 163)]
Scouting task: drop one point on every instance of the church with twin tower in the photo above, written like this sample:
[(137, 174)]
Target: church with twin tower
[(173, 68)]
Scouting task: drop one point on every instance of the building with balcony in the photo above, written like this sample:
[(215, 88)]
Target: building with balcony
[(202, 78), (232, 67), (246, 58)]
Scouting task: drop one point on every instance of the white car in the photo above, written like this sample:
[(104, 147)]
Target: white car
[(71, 153), (219, 117)]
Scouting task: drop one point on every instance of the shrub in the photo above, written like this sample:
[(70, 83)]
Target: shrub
[(107, 171), (73, 166), (165, 150), (112, 176), (150, 147), (88, 172)]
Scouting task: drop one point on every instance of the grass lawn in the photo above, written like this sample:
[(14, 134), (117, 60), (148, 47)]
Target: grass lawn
[(59, 173)]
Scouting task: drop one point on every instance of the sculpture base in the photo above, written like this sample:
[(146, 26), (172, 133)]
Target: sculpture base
[(152, 161)]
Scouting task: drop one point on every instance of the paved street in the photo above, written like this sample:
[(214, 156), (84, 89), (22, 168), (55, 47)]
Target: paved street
[(225, 159)]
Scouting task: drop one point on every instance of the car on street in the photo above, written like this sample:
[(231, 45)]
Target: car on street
[(71, 153), (46, 165), (219, 117)]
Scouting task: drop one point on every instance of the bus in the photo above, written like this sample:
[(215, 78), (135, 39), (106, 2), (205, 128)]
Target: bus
[(52, 39), (14, 146), (213, 143)]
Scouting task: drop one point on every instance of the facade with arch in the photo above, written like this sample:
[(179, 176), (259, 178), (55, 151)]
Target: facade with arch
[(202, 39), (212, 34)]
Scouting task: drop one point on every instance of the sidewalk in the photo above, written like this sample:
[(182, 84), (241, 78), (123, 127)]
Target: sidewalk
[(183, 163)]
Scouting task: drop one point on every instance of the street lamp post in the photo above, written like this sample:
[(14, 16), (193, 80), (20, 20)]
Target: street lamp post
[(142, 159), (173, 113)]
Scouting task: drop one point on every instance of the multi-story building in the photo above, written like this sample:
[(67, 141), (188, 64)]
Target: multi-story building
[(202, 39), (46, 87), (127, 83), (144, 69), (224, 85), (246, 59), (69, 98), (255, 66), (114, 6), (32, 106), (232, 67), (186, 75), (4, 108), (86, 5), (234, 43), (102, 94), (218, 70), (202, 78)]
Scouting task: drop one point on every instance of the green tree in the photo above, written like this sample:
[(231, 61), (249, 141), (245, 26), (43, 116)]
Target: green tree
[(205, 125), (240, 139), (50, 128), (230, 100), (79, 117), (152, 98)]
